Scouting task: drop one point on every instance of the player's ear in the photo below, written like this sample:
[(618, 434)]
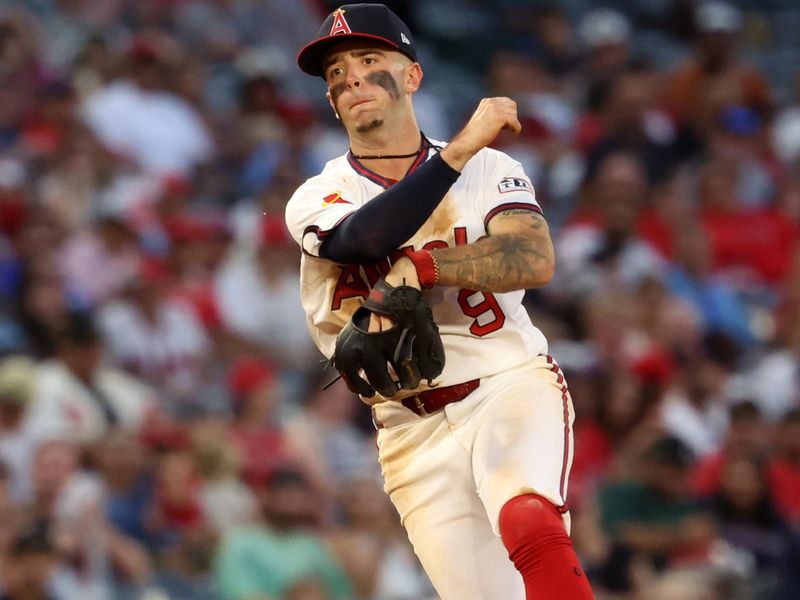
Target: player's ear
[(330, 101), (413, 77)]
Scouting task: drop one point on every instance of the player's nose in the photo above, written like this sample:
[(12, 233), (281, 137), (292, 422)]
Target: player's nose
[(352, 76)]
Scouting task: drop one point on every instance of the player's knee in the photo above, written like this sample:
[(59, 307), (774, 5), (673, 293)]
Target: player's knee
[(528, 517)]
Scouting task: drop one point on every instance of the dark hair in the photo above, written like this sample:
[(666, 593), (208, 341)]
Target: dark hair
[(33, 539), (79, 330), (286, 476), (744, 410), (763, 512), (668, 450), (722, 349)]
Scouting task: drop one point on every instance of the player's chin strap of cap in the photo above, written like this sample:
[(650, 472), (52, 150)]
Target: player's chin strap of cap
[(426, 266)]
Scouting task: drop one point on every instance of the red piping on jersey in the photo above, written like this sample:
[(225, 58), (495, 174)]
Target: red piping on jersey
[(511, 206), (387, 182), (315, 229), (321, 233), (565, 403)]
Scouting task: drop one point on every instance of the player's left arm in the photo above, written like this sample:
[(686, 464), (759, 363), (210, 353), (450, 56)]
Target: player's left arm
[(517, 254)]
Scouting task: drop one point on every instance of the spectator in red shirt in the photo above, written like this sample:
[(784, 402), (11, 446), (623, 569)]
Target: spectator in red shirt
[(752, 245), (784, 468), (747, 436), (256, 433)]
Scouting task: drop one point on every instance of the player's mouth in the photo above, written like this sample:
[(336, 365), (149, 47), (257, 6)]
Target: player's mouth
[(360, 102)]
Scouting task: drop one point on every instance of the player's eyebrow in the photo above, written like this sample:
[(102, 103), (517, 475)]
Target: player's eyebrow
[(357, 53)]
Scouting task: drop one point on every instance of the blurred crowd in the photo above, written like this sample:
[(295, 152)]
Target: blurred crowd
[(164, 433)]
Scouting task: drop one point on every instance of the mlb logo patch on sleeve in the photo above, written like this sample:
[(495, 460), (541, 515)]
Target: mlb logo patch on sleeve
[(515, 184)]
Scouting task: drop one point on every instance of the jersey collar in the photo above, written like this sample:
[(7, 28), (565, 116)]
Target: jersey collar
[(387, 182)]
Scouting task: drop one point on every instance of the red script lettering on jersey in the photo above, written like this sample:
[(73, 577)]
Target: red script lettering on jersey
[(355, 281)]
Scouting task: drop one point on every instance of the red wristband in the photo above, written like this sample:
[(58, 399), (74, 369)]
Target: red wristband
[(426, 266)]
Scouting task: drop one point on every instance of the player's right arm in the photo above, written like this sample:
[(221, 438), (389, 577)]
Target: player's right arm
[(518, 252), (516, 255), (380, 226)]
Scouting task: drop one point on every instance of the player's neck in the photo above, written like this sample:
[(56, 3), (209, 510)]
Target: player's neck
[(378, 148)]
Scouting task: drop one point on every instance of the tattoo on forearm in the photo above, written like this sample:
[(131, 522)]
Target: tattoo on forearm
[(502, 262)]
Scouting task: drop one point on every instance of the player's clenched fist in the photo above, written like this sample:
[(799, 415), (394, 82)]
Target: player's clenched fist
[(489, 119)]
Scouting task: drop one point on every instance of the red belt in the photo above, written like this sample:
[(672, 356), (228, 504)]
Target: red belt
[(430, 401)]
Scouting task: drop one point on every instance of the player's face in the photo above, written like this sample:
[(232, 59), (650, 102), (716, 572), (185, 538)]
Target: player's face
[(366, 82)]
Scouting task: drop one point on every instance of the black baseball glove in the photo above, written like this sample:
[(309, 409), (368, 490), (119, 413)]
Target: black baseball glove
[(412, 347)]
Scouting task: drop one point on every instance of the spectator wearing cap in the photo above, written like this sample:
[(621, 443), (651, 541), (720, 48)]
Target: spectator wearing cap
[(714, 76), (79, 398), (17, 442), (158, 338), (741, 138), (256, 431), (198, 245), (652, 516), (226, 499), (269, 558), (605, 34)]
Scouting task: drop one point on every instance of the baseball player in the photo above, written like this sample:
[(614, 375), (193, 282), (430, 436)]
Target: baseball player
[(477, 461)]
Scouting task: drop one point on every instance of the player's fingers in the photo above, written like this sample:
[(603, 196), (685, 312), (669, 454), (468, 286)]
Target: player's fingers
[(403, 362), (356, 383), (431, 348), (515, 125), (379, 323), (375, 323), (408, 374), (377, 371)]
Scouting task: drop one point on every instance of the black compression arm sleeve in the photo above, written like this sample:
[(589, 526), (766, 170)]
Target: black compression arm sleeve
[(391, 217)]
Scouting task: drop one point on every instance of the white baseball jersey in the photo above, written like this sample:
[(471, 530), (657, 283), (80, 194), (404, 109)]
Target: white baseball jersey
[(490, 182), (452, 471)]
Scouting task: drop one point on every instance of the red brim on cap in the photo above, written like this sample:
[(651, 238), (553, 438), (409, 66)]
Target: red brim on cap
[(309, 59)]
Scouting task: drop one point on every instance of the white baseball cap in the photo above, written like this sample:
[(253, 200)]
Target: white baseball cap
[(716, 15), (604, 26)]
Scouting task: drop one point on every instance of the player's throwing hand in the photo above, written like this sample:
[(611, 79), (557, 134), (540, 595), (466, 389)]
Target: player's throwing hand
[(489, 119)]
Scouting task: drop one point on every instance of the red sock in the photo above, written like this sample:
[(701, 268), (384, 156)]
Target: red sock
[(533, 532)]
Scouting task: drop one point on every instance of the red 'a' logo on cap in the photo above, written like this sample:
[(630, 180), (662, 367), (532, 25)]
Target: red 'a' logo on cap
[(340, 25)]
